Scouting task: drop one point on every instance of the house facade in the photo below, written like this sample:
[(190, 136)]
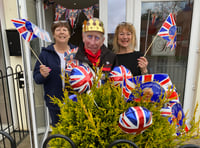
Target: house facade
[(181, 64)]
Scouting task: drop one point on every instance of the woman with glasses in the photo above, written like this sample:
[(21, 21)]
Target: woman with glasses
[(52, 70), (124, 43)]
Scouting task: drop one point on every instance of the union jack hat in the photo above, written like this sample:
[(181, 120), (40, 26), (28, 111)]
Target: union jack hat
[(81, 79), (135, 120)]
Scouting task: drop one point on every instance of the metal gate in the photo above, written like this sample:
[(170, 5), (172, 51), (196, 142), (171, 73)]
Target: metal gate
[(13, 110)]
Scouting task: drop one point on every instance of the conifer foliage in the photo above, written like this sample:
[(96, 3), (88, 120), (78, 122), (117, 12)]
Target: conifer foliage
[(93, 120)]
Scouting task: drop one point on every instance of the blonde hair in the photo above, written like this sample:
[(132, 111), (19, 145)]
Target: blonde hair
[(130, 28)]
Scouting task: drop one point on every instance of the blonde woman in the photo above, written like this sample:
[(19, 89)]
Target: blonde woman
[(124, 43)]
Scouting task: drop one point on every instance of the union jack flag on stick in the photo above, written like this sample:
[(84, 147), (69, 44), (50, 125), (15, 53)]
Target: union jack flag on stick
[(29, 31), (167, 32)]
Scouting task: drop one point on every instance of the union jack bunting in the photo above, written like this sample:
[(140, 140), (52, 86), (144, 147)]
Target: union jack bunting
[(72, 14), (24, 28), (60, 10), (89, 12), (154, 17), (81, 79), (168, 31), (48, 3), (135, 120)]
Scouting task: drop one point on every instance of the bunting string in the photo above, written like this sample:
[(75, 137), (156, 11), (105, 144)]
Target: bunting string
[(70, 14)]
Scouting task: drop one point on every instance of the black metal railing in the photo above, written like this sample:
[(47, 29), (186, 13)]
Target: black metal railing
[(115, 143), (13, 115), (11, 140)]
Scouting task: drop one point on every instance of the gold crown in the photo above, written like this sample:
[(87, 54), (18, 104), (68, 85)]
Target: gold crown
[(93, 24)]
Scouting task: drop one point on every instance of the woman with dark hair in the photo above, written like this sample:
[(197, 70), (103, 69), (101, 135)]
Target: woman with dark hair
[(51, 73), (124, 43)]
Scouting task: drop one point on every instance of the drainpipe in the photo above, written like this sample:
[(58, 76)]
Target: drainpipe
[(193, 66)]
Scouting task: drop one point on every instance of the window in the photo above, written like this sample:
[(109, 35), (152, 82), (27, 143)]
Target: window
[(161, 58)]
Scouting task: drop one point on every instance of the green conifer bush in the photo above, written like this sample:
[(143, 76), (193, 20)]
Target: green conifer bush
[(93, 120)]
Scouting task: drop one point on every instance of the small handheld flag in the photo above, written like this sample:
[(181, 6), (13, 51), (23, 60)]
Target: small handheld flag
[(24, 28), (29, 31), (167, 32)]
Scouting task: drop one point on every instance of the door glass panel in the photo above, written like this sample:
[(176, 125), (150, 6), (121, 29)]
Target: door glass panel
[(161, 58), (116, 15)]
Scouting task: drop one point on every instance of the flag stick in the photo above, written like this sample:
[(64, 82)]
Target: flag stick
[(35, 54), (149, 11), (150, 45)]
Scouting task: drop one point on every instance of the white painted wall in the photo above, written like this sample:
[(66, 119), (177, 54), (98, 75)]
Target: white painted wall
[(192, 81), (11, 12)]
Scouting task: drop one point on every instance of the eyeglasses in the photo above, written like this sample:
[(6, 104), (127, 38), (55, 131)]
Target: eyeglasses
[(125, 23), (61, 21)]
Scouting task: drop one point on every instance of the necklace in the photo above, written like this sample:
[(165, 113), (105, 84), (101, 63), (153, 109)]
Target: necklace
[(61, 49)]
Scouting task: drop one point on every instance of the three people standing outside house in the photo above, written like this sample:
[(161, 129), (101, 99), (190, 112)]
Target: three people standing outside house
[(91, 52)]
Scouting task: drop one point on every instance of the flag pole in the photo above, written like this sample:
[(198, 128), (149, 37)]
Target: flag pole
[(149, 12), (150, 45), (35, 54)]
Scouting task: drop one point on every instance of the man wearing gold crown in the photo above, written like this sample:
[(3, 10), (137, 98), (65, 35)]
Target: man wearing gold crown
[(92, 51)]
